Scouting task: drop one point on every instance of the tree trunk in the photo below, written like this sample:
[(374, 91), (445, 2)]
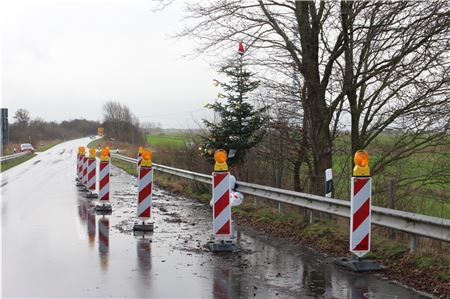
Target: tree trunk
[(314, 103)]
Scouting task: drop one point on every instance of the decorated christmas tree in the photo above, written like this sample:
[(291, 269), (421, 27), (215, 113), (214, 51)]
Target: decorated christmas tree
[(239, 126)]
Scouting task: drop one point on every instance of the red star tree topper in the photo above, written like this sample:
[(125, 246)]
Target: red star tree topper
[(241, 49)]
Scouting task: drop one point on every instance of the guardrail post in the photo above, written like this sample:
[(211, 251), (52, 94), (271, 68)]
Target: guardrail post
[(279, 207), (391, 194), (391, 204), (311, 216), (413, 243)]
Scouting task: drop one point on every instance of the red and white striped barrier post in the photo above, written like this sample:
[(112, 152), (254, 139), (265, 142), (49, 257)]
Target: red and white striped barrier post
[(360, 216), (91, 174), (81, 153), (103, 182), (360, 220), (139, 159), (221, 205), (103, 241), (78, 165), (360, 205), (84, 171), (145, 188)]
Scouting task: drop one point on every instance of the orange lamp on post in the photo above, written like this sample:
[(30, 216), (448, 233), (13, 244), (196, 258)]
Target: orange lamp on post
[(220, 156), (82, 150), (92, 152), (104, 154), (361, 160), (146, 158)]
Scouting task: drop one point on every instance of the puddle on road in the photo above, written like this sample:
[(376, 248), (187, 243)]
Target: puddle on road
[(173, 261)]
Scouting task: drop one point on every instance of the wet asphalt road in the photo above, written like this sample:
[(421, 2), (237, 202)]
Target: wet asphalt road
[(55, 246)]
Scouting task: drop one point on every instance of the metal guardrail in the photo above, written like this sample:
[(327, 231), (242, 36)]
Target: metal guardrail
[(13, 156), (412, 223)]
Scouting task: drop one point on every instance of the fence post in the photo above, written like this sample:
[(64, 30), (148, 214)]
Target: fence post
[(391, 204), (413, 243), (392, 194), (311, 216)]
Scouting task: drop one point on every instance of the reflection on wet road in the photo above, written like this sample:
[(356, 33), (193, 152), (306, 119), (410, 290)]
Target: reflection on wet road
[(54, 245)]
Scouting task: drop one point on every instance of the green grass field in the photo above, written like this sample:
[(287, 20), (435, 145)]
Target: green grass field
[(167, 140)]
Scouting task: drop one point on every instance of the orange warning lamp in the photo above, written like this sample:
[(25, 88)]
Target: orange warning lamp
[(92, 152), (104, 154), (146, 158), (361, 160), (141, 150), (82, 150), (220, 156)]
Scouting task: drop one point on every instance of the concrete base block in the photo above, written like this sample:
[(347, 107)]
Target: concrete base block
[(143, 227), (143, 235), (221, 245), (103, 209), (91, 195), (358, 265)]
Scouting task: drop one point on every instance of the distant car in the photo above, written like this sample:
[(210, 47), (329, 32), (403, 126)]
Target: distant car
[(26, 147)]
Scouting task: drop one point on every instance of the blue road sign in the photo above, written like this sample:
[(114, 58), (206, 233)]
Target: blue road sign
[(4, 124)]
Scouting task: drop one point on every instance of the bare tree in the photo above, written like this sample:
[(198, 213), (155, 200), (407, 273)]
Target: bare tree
[(395, 68), (22, 117), (120, 123), (377, 64)]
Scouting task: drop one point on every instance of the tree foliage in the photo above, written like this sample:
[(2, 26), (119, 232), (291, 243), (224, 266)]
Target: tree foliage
[(25, 129)]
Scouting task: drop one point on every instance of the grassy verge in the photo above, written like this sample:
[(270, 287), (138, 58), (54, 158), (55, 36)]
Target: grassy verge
[(5, 165)]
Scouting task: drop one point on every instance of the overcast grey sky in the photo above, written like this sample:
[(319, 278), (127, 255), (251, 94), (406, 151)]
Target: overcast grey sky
[(63, 59)]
